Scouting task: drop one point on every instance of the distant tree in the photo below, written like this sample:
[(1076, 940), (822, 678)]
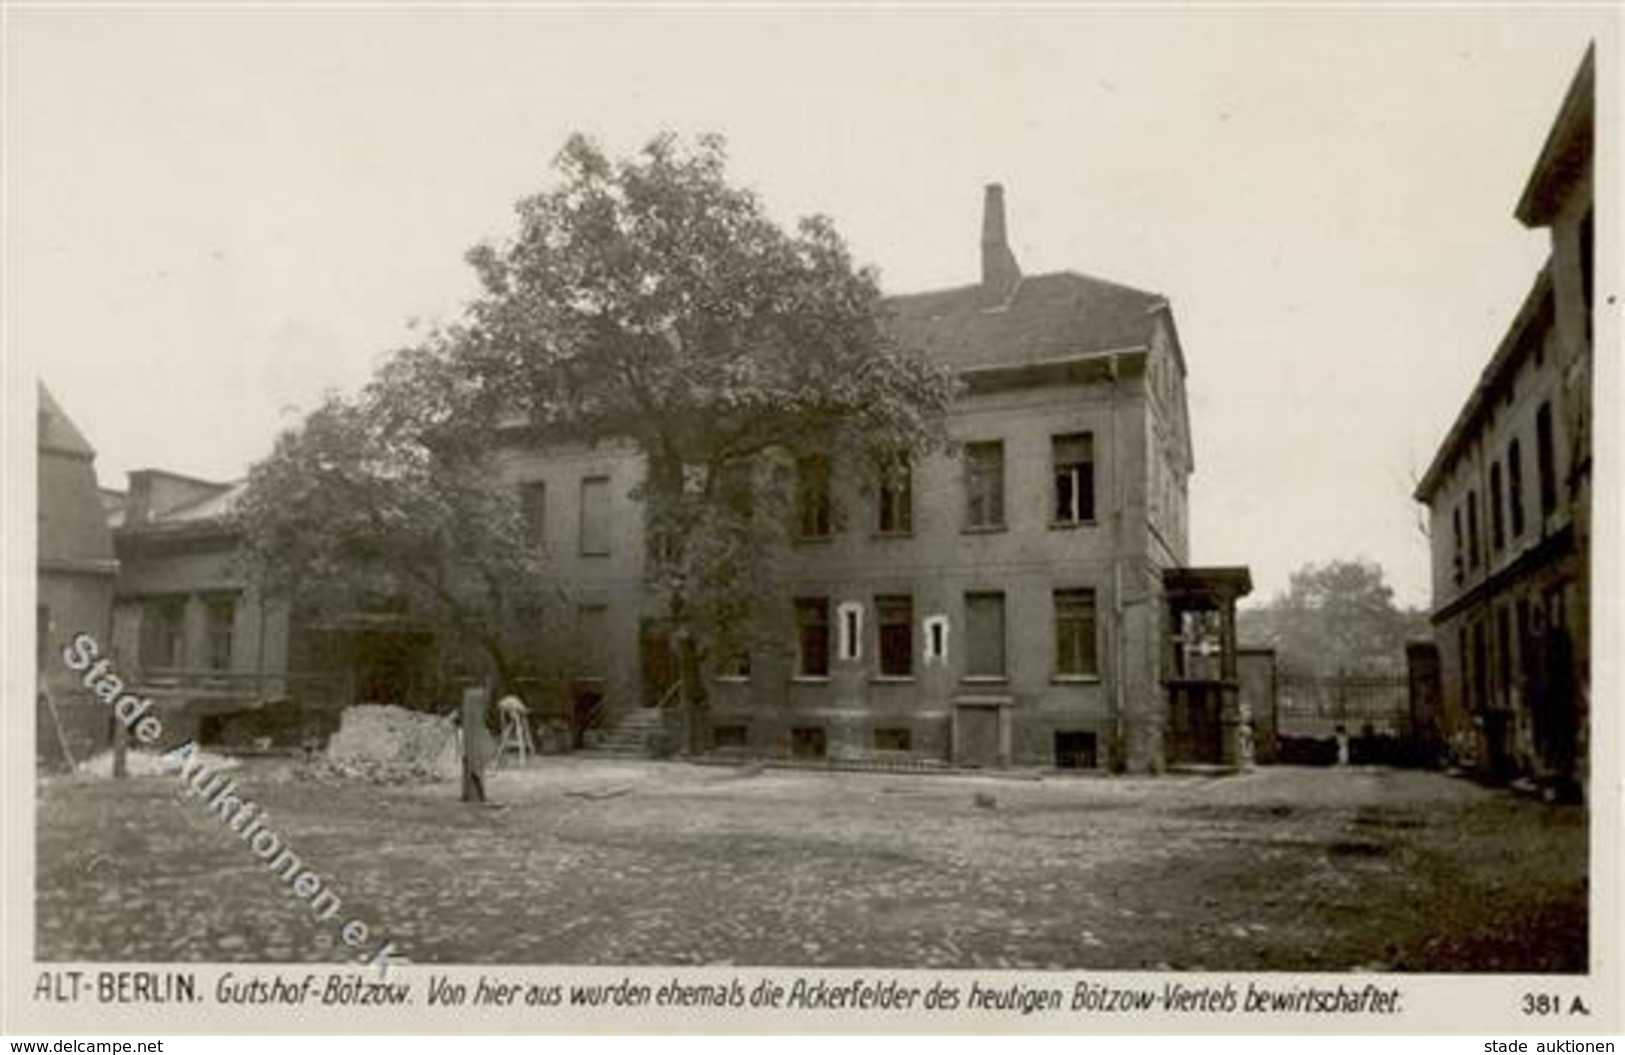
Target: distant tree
[(1334, 617), (392, 494), (648, 301)]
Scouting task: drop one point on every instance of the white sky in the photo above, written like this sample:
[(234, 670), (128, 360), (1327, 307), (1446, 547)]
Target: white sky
[(214, 215)]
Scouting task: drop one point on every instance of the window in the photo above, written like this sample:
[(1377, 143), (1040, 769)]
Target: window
[(807, 742), (592, 629), (162, 625), (1074, 461), (893, 740), (219, 615), (1466, 671), (936, 639), (812, 637), (1503, 653), (595, 516), (1546, 459), (894, 617), (737, 483), (984, 484), (533, 508), (895, 499), (850, 615), (1075, 654), (1472, 529), (1075, 750), (1515, 487), (1498, 535), (1455, 523), (729, 737), (735, 663), (813, 513), (984, 635)]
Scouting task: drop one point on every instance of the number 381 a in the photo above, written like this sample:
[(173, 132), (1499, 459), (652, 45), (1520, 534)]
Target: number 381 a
[(1552, 1004)]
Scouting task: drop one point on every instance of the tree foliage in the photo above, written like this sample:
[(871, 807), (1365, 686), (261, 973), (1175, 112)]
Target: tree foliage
[(650, 302), (389, 498), (1336, 617)]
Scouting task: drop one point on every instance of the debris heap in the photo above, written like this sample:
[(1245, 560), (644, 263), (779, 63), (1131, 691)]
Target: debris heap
[(392, 745)]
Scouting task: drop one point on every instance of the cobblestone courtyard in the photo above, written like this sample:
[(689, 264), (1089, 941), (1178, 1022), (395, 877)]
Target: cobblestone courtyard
[(612, 862)]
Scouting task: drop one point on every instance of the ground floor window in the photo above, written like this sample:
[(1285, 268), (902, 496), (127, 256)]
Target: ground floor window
[(895, 619), (724, 737), (1075, 750), (893, 740), (812, 637), (807, 742)]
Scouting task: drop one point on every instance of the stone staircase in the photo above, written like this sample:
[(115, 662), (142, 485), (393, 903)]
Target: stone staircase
[(628, 734)]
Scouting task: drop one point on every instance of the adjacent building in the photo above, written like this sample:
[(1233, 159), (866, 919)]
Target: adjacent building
[(1509, 498), (76, 568), (1022, 600)]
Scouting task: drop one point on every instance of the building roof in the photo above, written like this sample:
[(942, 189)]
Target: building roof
[(72, 534), (1567, 151), (1046, 317), (57, 432), (1527, 326)]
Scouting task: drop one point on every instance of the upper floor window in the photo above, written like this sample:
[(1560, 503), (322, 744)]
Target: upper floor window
[(1546, 459), (1515, 487), (984, 484), (595, 516), (1472, 529), (984, 635), (894, 499), (1498, 536), (894, 618), (533, 509), (1074, 465), (220, 613), (1455, 524), (812, 637), (1075, 652), (814, 515)]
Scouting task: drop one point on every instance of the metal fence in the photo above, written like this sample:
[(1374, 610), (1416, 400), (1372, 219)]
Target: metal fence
[(1315, 706)]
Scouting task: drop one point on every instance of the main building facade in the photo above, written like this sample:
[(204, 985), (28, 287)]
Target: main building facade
[(1000, 604)]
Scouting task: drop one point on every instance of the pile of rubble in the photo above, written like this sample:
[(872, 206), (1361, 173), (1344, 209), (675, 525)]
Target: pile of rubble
[(391, 745)]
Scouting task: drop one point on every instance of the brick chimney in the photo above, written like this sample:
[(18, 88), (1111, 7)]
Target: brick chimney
[(1000, 272)]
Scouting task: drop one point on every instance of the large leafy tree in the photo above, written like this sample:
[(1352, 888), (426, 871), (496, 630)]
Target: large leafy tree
[(650, 302), (1336, 617), (391, 494)]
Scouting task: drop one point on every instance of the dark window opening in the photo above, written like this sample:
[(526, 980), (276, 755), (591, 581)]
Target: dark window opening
[(595, 516), (984, 635), (1074, 461), (812, 637), (533, 508), (1546, 459), (807, 742), (1498, 538), (894, 617), (1587, 267), (1515, 487), (1075, 750), (814, 518), (162, 623), (895, 499), (1075, 652), (984, 484), (893, 740), (1472, 529), (1455, 523), (219, 615), (729, 737)]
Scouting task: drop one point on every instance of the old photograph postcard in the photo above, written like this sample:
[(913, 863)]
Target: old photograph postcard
[(808, 519)]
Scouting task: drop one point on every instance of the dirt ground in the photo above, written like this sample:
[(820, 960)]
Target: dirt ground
[(603, 862)]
